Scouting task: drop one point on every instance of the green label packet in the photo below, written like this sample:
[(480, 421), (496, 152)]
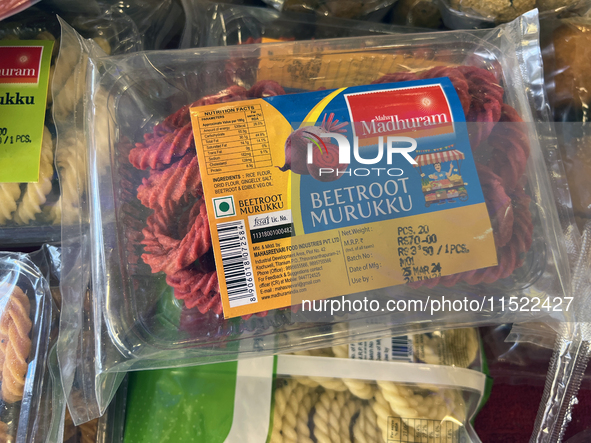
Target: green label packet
[(24, 76), (247, 401)]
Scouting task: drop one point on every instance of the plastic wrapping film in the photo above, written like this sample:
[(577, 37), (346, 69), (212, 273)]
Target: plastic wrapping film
[(290, 398), (570, 357), (25, 320), (565, 51), (517, 359), (52, 422), (373, 10), (106, 429), (421, 13), (465, 14), (134, 320), (219, 24), (159, 22), (565, 54), (31, 212)]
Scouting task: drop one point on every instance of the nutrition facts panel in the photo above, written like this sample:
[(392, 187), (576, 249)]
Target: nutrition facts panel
[(424, 431), (234, 139)]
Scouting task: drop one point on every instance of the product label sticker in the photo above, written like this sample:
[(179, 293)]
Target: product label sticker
[(24, 77), (383, 349), (334, 192)]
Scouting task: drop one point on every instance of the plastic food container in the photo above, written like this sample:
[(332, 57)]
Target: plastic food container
[(22, 283), (32, 216), (140, 315), (214, 24), (295, 399)]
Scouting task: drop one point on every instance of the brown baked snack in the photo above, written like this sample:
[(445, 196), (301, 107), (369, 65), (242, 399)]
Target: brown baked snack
[(572, 68), (15, 345)]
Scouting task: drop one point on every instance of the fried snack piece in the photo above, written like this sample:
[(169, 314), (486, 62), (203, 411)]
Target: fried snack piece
[(15, 344)]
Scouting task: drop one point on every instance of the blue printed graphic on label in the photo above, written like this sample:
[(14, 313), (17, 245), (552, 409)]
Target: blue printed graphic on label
[(380, 152)]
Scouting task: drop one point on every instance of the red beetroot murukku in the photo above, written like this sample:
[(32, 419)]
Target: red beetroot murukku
[(510, 144), (457, 80), (266, 88), (498, 204), (158, 151), (197, 289), (485, 105), (178, 232), (163, 188), (170, 251)]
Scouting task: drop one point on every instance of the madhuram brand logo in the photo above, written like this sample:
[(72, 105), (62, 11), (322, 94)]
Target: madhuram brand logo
[(380, 124), (20, 65), (387, 149), (412, 111), (12, 72)]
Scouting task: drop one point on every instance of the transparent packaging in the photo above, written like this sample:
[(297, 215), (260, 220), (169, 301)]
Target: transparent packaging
[(31, 213), (466, 14), (218, 24), (135, 320), (360, 401), (25, 302), (423, 13), (373, 10)]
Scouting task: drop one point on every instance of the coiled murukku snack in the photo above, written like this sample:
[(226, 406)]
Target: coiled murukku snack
[(15, 345)]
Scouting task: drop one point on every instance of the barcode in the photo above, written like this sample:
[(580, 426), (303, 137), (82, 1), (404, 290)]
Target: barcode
[(237, 263), (411, 430), (385, 349), (402, 348)]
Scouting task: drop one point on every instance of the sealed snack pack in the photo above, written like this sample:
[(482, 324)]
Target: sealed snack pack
[(30, 200), (373, 10), (460, 14), (569, 361), (25, 320), (313, 396), (218, 24), (60, 426), (150, 266)]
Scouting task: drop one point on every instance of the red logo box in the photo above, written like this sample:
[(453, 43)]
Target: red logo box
[(20, 64), (416, 111)]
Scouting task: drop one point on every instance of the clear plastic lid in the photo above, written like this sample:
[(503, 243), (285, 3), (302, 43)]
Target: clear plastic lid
[(25, 317), (31, 213), (139, 312)]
